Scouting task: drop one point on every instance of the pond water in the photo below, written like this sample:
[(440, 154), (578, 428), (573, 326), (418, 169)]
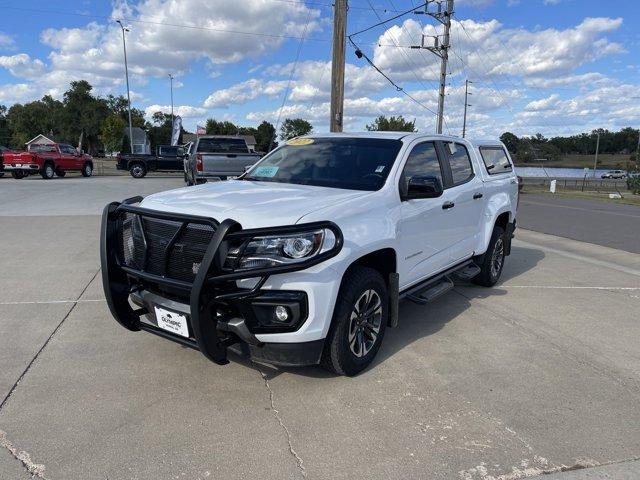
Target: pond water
[(545, 172)]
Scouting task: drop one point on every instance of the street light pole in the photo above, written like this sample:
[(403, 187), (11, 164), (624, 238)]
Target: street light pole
[(466, 104), (171, 78), (595, 161), (126, 72)]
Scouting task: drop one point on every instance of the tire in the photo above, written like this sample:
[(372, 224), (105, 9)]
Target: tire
[(48, 171), (137, 170), (17, 174), (354, 341), (492, 261), (1, 174), (87, 170), (60, 173)]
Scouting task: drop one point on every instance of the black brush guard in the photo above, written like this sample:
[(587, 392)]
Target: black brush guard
[(212, 287)]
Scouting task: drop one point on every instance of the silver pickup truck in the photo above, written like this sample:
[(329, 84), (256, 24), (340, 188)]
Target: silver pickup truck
[(217, 157)]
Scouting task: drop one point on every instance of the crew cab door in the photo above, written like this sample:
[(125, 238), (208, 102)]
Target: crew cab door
[(68, 158), (168, 158), (425, 229), (465, 194)]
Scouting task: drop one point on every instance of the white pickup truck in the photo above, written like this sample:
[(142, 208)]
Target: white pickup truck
[(304, 259)]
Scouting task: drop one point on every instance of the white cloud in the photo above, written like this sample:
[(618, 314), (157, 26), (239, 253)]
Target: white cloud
[(16, 93), (165, 37), (185, 111), (6, 42), (488, 49), (23, 66)]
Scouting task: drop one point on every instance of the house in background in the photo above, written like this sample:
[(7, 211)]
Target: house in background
[(39, 140), (251, 142), (141, 143)]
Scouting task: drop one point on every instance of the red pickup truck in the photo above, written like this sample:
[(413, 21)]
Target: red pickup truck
[(48, 160)]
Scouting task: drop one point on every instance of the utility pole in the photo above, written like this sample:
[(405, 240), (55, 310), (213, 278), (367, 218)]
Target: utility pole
[(171, 79), (595, 162), (466, 104), (443, 63), (126, 72), (337, 65), (441, 51)]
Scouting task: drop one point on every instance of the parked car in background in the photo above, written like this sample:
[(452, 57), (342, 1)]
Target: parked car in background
[(304, 259), (168, 158), (614, 174), (217, 157), (48, 160)]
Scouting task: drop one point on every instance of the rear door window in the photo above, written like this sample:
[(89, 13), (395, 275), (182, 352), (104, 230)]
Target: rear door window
[(222, 145), (168, 151), (495, 160), (460, 163)]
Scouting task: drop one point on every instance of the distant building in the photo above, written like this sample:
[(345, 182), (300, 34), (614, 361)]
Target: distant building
[(39, 140), (251, 142), (141, 143)]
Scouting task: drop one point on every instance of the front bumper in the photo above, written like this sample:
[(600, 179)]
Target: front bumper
[(219, 313)]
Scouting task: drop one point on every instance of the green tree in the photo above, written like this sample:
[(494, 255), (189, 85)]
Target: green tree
[(510, 141), (5, 131), (265, 137), (225, 127), (83, 115), (294, 127), (160, 131), (392, 124), (111, 133), (39, 117), (119, 106)]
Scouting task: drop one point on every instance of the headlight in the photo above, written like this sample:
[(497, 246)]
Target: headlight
[(276, 250)]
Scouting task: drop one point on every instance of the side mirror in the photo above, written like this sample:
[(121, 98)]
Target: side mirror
[(423, 186)]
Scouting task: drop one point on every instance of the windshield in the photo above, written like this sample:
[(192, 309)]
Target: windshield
[(350, 163), (40, 148)]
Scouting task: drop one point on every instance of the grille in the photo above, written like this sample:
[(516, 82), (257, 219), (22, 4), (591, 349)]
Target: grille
[(169, 248)]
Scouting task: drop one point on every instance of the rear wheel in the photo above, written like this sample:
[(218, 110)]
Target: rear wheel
[(17, 174), (48, 171), (137, 170), (87, 170), (60, 173), (493, 260), (359, 322)]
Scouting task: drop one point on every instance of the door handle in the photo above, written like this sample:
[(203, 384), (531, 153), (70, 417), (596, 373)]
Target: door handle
[(477, 196), (448, 205)]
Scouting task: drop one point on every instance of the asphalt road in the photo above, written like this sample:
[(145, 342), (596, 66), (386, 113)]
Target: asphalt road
[(535, 375), (594, 221)]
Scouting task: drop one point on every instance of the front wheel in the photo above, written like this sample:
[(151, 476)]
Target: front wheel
[(493, 260), (87, 170), (359, 322)]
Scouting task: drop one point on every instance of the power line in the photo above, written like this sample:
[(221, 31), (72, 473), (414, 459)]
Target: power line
[(361, 54), (293, 69)]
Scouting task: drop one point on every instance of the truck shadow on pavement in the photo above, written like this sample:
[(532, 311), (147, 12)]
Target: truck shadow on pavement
[(419, 321)]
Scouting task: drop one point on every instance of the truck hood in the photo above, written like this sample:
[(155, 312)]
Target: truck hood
[(252, 204)]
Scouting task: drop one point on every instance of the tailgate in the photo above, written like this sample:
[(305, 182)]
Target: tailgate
[(226, 163)]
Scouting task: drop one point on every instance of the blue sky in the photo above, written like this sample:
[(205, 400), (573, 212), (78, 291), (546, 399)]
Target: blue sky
[(550, 66)]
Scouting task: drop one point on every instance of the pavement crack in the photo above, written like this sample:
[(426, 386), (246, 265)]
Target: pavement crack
[(276, 414), (55, 330), (36, 470)]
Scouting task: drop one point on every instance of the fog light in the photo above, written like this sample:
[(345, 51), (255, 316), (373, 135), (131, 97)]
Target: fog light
[(282, 313)]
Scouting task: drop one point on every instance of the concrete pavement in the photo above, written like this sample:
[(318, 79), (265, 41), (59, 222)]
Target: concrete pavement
[(538, 374)]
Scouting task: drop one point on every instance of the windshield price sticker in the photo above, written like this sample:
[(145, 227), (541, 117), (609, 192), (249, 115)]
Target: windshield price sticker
[(298, 142), (380, 169), (265, 172)]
